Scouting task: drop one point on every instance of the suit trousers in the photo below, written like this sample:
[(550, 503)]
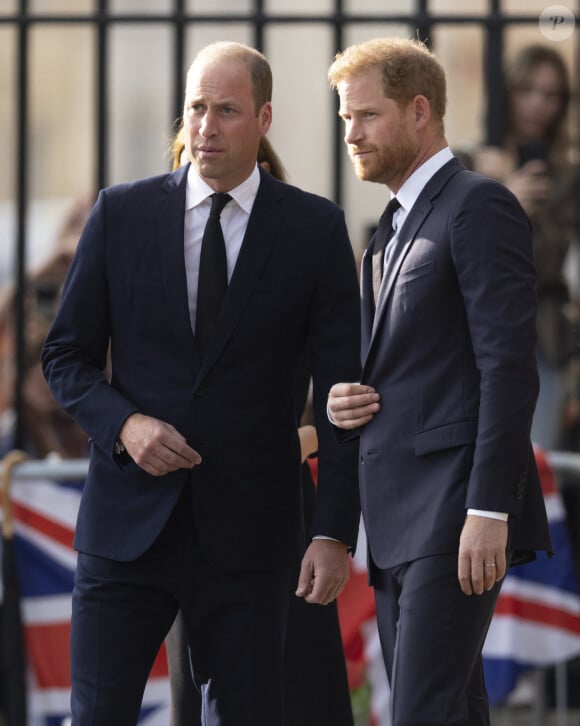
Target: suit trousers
[(431, 637), (235, 624), (316, 691)]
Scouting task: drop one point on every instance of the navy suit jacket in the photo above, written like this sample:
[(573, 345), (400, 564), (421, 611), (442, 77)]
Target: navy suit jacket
[(294, 285), (451, 350)]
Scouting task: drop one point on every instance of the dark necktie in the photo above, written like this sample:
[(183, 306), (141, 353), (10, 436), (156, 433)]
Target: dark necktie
[(213, 273), (383, 235)]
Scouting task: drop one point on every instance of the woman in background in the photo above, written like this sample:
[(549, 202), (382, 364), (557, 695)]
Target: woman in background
[(535, 162)]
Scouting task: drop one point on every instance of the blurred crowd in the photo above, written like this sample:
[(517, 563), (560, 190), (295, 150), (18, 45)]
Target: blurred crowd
[(47, 428)]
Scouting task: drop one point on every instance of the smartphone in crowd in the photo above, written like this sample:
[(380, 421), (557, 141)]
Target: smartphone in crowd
[(532, 152)]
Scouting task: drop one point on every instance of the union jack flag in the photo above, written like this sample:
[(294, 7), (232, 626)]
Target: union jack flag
[(44, 515), (536, 623), (537, 617)]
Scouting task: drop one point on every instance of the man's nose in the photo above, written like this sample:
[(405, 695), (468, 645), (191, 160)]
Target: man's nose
[(353, 132), (208, 125)]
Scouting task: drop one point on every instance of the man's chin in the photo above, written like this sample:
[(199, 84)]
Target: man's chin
[(364, 173), (359, 170), (205, 168)]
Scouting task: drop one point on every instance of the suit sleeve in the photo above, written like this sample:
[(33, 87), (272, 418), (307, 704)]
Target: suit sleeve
[(334, 334), (492, 250), (74, 357)]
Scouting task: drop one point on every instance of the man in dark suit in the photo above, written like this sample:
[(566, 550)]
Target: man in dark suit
[(193, 500), (450, 493)]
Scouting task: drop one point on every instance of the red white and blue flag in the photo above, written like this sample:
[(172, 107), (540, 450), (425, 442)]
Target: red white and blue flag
[(44, 517), (536, 623)]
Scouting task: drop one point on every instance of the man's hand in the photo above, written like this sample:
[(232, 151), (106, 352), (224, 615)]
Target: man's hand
[(352, 405), (156, 446), (531, 184), (324, 571), (482, 553)]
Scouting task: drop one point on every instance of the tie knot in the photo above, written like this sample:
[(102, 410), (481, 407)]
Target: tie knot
[(392, 207), (218, 202)]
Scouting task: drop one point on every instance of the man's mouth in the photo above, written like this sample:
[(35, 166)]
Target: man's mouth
[(208, 151)]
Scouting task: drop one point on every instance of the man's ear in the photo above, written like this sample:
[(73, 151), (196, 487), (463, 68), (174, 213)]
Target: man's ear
[(422, 109), (265, 118)]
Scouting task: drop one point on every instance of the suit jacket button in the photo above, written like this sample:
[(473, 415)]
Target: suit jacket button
[(521, 485), (199, 392)]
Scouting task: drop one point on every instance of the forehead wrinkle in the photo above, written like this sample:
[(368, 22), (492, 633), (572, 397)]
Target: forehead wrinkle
[(205, 97), (211, 90)]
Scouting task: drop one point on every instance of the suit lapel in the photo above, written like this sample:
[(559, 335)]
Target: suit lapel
[(169, 221), (402, 244), (367, 298), (261, 234)]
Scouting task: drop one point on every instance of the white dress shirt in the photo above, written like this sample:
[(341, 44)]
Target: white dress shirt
[(413, 186), (234, 220)]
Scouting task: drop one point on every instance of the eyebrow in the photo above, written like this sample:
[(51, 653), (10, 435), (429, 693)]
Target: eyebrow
[(219, 102)]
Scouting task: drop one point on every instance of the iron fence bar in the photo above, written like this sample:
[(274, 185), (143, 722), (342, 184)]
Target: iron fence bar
[(21, 221), (55, 467), (338, 152), (561, 683), (424, 22), (178, 63), (51, 468), (260, 22), (564, 461), (493, 63), (259, 17), (102, 95)]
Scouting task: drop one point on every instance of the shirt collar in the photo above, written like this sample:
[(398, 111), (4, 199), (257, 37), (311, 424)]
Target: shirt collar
[(414, 185), (244, 194)]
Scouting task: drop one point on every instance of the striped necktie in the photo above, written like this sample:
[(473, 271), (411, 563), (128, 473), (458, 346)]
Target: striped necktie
[(383, 235)]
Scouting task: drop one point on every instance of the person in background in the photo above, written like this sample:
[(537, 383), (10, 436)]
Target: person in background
[(450, 492), (47, 428), (193, 497), (316, 691), (535, 162)]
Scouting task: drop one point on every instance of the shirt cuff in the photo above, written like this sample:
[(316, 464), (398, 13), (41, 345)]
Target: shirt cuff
[(503, 516), (332, 539), (332, 421)]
